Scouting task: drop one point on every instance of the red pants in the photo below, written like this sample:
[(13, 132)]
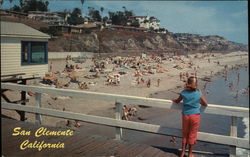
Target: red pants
[(190, 126)]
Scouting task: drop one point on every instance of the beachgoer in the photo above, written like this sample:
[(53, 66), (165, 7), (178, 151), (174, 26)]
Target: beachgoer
[(230, 85), (142, 80), (148, 83), (50, 67), (77, 67), (180, 76), (237, 94), (125, 113), (192, 100), (205, 86), (245, 91), (225, 76), (132, 111), (208, 91), (77, 124), (211, 73), (173, 139), (158, 82), (138, 80), (195, 74), (117, 79), (238, 78)]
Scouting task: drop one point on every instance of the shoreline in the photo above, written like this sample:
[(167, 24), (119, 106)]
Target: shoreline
[(201, 82)]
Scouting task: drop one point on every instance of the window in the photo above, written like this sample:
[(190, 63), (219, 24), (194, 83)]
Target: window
[(34, 53)]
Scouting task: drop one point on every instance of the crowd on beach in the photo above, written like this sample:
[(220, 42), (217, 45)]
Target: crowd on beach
[(145, 70), (142, 67)]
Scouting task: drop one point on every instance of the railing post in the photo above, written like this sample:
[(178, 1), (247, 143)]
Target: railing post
[(39, 104), (23, 98), (233, 133), (118, 116)]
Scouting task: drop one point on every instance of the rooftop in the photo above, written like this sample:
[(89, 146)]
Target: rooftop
[(127, 27), (20, 30), (138, 16), (89, 25)]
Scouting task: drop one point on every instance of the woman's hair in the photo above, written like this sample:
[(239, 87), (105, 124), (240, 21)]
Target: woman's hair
[(192, 83)]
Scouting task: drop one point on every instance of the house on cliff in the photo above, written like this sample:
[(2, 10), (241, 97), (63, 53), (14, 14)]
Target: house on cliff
[(145, 22), (58, 18), (24, 52)]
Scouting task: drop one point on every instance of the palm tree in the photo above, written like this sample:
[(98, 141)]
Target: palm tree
[(124, 8), (82, 1), (101, 9), (102, 12)]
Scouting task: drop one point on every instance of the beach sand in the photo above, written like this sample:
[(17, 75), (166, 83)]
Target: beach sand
[(170, 82)]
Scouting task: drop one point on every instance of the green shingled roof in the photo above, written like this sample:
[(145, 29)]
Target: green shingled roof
[(19, 29)]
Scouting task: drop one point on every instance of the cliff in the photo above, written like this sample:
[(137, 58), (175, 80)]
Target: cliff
[(196, 42), (113, 41)]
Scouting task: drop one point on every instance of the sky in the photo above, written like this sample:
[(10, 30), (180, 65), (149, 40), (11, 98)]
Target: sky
[(228, 19)]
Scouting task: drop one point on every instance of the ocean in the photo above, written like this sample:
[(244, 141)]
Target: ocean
[(217, 92), (220, 92)]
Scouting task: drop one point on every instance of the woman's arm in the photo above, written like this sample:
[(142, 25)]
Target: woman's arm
[(203, 101), (178, 100)]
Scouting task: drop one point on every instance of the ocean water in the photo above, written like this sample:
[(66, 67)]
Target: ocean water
[(217, 92), (220, 92)]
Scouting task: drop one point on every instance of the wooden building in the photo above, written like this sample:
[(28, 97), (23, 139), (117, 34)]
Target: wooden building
[(24, 52)]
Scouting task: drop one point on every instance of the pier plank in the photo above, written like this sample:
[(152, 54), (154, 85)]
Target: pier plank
[(138, 149), (126, 149), (92, 146), (107, 148), (69, 147), (146, 153)]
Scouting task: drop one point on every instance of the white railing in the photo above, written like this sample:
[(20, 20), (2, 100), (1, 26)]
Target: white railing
[(233, 141)]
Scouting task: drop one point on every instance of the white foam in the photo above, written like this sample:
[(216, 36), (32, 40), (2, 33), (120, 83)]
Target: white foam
[(244, 152)]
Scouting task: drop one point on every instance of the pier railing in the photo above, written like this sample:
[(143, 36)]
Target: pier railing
[(233, 141)]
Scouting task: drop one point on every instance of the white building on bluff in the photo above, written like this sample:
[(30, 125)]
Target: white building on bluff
[(145, 22), (59, 18)]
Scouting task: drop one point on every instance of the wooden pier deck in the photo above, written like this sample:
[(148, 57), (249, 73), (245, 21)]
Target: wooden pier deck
[(76, 145)]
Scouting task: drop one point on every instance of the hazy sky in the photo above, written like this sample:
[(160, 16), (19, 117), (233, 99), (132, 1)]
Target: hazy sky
[(225, 18)]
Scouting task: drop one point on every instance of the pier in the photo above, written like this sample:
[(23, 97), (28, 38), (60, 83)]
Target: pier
[(76, 145), (233, 141)]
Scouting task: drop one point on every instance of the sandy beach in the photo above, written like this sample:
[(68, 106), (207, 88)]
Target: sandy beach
[(169, 80)]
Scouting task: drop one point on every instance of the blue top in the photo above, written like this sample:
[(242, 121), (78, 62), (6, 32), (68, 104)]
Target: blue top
[(191, 102)]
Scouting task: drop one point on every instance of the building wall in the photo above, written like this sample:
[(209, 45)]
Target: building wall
[(49, 18), (63, 55), (11, 58)]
